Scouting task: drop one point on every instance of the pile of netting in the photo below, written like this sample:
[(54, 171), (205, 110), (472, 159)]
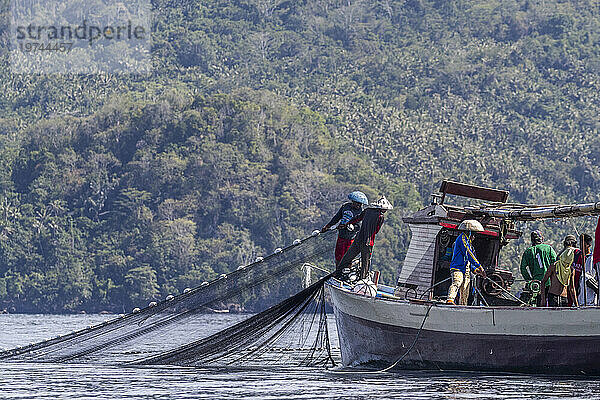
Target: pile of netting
[(179, 331), (275, 336)]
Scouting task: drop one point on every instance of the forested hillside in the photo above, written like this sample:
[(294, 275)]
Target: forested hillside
[(261, 115)]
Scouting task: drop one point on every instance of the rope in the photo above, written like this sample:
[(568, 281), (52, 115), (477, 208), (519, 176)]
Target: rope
[(506, 291), (431, 287), (480, 295)]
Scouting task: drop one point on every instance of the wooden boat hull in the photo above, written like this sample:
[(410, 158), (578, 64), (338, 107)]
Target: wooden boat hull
[(549, 341)]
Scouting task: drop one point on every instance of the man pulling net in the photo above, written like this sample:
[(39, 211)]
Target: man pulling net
[(372, 219)]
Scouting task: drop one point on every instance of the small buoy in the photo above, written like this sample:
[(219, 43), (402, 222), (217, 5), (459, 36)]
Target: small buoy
[(241, 267), (187, 289), (152, 304), (222, 276), (278, 250), (258, 259), (297, 241), (316, 232), (205, 283), (170, 297)]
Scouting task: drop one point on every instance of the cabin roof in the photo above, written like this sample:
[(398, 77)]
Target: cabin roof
[(449, 216)]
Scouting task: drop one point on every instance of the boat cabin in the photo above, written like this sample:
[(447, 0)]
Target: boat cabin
[(425, 272)]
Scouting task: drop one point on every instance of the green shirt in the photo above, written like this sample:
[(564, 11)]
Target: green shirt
[(531, 267)]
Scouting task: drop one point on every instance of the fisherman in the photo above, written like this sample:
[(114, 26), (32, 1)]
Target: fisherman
[(586, 291), (578, 266), (535, 262), (464, 261), (347, 231), (372, 220), (596, 259), (597, 247), (561, 276)]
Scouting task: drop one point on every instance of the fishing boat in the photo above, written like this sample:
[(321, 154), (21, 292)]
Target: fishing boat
[(410, 326)]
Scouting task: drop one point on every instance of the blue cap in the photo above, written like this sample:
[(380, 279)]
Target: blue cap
[(359, 197)]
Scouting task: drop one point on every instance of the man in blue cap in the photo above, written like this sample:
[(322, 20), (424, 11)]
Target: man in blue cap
[(347, 232), (372, 220)]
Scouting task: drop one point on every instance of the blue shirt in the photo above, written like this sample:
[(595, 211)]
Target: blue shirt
[(344, 215), (462, 254)]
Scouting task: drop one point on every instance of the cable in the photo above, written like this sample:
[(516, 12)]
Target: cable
[(480, 295), (431, 287), (506, 291)]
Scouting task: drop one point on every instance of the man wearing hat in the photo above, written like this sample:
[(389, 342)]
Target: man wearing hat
[(464, 261), (347, 232), (372, 220), (535, 262)]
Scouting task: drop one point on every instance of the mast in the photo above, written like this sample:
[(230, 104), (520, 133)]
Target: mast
[(531, 213)]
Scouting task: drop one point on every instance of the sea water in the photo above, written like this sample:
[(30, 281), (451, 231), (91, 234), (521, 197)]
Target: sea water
[(73, 381)]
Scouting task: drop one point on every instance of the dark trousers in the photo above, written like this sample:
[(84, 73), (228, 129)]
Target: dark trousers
[(355, 249), (557, 301), (538, 301)]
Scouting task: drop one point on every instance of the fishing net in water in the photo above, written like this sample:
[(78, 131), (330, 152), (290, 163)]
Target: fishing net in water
[(293, 332), (159, 328)]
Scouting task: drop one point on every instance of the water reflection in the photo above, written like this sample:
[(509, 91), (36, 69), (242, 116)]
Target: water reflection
[(72, 381)]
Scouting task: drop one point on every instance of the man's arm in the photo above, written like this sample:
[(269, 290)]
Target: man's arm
[(596, 256), (550, 271), (553, 256), (571, 289), (358, 218), (470, 254), (334, 220), (525, 266)]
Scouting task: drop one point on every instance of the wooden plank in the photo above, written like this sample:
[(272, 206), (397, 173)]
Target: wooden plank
[(414, 260), (419, 256), (419, 283), (424, 282), (425, 232), (419, 274), (421, 245), (474, 192), (421, 252)]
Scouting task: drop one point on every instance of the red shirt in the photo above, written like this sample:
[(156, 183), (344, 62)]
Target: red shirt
[(597, 244), (372, 219)]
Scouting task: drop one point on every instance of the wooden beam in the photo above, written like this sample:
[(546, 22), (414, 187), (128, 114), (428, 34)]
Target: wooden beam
[(473, 192)]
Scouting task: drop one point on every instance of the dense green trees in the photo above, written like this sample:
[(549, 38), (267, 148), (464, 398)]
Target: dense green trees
[(143, 199), (261, 114)]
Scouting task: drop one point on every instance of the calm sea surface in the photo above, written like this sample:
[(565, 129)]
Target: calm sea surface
[(67, 381)]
